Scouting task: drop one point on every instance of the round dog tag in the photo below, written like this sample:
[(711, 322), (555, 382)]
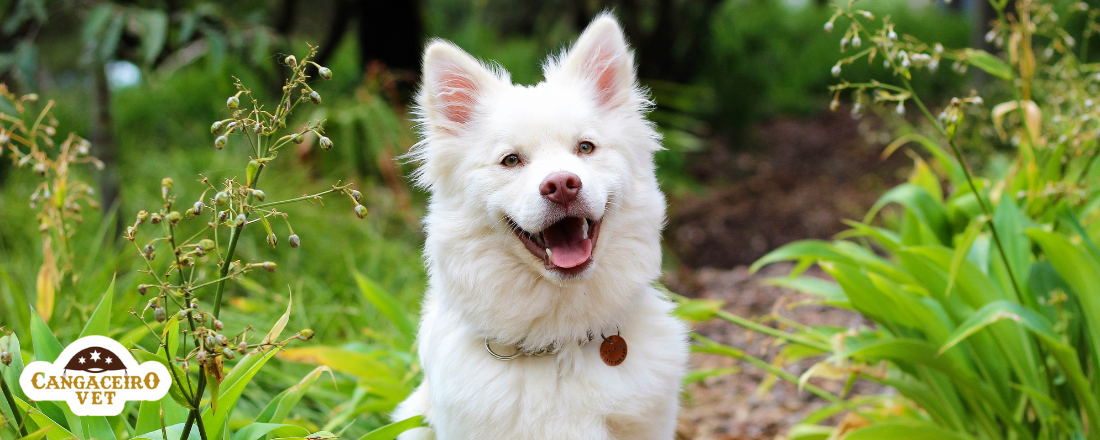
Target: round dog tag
[(613, 350)]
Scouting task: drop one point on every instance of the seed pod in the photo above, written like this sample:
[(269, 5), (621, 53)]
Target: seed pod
[(144, 288), (40, 169), (149, 252), (159, 314), (217, 127), (187, 262), (142, 216), (154, 218), (272, 240), (315, 97), (206, 244), (325, 72), (199, 206), (221, 339), (294, 240), (189, 214), (361, 211), (298, 139), (260, 195), (174, 217), (326, 143), (210, 342), (130, 230), (241, 219), (223, 216), (5, 358), (290, 60), (305, 334), (218, 325), (220, 142), (165, 186), (242, 347), (233, 102), (251, 171), (358, 196), (228, 353), (221, 198), (194, 304), (269, 266), (200, 355)]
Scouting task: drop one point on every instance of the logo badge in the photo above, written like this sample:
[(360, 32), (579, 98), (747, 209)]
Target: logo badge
[(96, 376)]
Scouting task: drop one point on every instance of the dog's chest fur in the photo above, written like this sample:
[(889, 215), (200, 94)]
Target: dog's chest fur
[(570, 395)]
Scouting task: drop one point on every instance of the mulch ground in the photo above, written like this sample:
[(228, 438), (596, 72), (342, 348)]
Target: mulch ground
[(802, 178)]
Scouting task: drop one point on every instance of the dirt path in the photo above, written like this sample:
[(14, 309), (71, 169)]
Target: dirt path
[(733, 406), (805, 177)]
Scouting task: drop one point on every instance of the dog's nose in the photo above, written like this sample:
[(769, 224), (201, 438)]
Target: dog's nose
[(561, 187)]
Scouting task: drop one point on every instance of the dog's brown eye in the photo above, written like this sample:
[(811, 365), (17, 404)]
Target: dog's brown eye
[(586, 147), (510, 160)]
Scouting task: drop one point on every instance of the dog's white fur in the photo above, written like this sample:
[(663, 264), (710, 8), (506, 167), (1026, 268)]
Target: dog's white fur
[(483, 283)]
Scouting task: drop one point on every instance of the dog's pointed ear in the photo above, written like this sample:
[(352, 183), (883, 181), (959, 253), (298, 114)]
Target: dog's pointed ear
[(602, 59), (454, 83)]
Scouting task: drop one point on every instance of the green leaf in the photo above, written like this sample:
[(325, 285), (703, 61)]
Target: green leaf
[(57, 431), (954, 172), (391, 431), (154, 28), (921, 203), (277, 329), (700, 375), (100, 322), (38, 435), (175, 432), (989, 63), (46, 346), (281, 406), (698, 310), (10, 344), (232, 387), (815, 286), (1080, 271), (387, 304), (962, 249), (258, 430), (905, 429)]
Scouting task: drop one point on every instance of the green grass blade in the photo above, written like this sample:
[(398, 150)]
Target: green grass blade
[(100, 322), (905, 429), (259, 430), (392, 430), (232, 387), (388, 305), (46, 346)]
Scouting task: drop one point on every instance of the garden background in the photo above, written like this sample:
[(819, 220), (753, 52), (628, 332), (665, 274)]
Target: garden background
[(762, 150)]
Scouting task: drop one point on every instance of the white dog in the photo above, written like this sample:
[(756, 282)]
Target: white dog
[(543, 239)]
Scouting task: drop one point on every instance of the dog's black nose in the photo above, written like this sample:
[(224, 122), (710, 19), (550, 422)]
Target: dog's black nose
[(561, 187)]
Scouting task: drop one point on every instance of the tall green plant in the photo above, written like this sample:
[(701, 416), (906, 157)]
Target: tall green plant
[(982, 290)]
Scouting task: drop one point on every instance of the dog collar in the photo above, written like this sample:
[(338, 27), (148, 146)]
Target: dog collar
[(612, 350)]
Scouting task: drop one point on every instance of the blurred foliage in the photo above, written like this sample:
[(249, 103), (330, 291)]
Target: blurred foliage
[(981, 288)]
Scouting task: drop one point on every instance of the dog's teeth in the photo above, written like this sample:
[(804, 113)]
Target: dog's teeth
[(584, 228), (549, 254)]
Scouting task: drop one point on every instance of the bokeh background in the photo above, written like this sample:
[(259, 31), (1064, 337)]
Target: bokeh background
[(755, 158)]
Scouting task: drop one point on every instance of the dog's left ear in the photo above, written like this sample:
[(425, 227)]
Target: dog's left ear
[(602, 59)]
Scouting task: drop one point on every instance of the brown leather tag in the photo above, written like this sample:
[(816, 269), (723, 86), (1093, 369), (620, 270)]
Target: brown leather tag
[(613, 350)]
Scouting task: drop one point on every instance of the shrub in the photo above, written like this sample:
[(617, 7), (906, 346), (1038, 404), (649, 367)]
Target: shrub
[(982, 289), (198, 251)]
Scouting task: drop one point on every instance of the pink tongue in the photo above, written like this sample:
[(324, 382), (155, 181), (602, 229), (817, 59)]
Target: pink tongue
[(567, 244)]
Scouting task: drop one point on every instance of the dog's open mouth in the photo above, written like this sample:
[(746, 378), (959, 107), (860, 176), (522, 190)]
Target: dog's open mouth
[(565, 246)]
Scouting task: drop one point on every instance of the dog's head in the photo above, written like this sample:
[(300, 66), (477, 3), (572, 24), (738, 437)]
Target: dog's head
[(545, 173)]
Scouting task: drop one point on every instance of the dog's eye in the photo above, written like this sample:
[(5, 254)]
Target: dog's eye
[(510, 160), (586, 147)]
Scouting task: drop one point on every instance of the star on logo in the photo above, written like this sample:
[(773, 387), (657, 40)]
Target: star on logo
[(108, 361), (81, 360), (95, 356)]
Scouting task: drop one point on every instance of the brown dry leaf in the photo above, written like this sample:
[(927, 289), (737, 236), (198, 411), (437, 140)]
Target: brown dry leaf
[(47, 285)]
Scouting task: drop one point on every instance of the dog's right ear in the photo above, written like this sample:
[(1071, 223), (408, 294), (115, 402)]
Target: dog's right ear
[(454, 84)]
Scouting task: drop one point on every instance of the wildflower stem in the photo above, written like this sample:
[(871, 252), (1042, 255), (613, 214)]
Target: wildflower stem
[(298, 199), (11, 403), (970, 181)]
